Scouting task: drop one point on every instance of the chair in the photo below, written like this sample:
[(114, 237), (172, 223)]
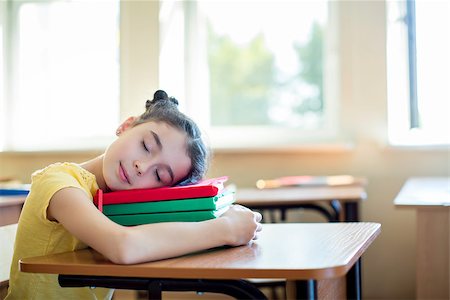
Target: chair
[(7, 238)]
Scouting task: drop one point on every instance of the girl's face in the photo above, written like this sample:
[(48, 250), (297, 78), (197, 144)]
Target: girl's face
[(149, 155)]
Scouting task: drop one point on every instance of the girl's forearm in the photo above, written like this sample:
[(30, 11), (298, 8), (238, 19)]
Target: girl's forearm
[(164, 240)]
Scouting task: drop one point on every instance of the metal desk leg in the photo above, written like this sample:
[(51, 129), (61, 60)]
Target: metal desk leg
[(351, 212), (354, 281), (155, 290), (337, 210), (306, 289), (239, 289)]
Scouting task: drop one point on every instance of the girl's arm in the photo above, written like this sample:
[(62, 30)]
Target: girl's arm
[(127, 245)]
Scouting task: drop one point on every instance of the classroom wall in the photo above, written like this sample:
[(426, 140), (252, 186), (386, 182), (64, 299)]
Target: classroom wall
[(389, 264)]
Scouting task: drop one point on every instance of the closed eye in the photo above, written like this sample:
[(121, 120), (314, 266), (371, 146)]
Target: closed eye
[(145, 147), (158, 178)]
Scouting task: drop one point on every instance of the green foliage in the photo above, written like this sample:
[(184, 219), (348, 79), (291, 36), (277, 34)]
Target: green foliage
[(241, 79), (311, 58)]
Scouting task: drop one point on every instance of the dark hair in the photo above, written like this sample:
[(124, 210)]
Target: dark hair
[(165, 109)]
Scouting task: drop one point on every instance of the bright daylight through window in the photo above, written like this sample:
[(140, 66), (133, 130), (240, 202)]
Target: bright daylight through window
[(254, 73), (63, 71), (419, 72)]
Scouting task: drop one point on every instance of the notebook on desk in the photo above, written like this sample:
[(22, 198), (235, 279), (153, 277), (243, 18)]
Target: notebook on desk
[(182, 216), (205, 188), (206, 203), (307, 180), (205, 200)]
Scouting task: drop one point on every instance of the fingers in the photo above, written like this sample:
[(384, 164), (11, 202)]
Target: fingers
[(238, 206), (248, 215), (258, 216), (258, 229)]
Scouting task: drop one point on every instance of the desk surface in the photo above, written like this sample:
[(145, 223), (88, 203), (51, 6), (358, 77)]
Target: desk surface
[(289, 251), (424, 191), (10, 208), (12, 200), (289, 195)]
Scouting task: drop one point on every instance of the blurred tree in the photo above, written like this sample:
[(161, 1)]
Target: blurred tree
[(310, 57), (241, 79)]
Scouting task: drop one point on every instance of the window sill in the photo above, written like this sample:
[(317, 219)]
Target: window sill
[(437, 147), (338, 147)]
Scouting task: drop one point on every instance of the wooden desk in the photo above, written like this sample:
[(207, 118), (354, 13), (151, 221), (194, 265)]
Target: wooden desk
[(304, 253), (10, 208), (327, 199), (430, 196)]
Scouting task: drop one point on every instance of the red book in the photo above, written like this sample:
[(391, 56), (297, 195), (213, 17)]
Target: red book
[(205, 188)]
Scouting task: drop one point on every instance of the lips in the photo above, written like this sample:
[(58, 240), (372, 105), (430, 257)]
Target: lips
[(123, 174)]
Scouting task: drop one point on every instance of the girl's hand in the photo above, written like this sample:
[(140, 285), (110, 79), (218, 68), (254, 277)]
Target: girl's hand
[(243, 225)]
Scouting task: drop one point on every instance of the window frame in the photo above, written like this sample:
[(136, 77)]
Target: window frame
[(404, 125), (410, 20), (194, 95)]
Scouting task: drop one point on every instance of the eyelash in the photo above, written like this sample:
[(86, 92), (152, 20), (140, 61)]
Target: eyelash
[(156, 171), (145, 147), (157, 176)]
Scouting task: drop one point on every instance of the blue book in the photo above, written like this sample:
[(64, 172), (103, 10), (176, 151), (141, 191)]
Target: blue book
[(15, 190)]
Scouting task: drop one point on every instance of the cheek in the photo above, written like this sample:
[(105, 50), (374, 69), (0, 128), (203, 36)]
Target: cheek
[(107, 171), (110, 161), (184, 167), (119, 150)]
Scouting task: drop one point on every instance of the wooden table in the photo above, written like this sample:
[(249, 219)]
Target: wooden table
[(430, 196), (328, 200), (303, 253), (10, 208)]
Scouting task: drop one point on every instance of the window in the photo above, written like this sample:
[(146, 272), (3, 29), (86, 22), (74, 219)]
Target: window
[(418, 72), (2, 71), (62, 87), (252, 73)]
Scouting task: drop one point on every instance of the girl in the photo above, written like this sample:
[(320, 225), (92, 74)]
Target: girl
[(162, 147)]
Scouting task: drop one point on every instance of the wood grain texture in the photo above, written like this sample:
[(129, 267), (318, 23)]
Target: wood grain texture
[(289, 251)]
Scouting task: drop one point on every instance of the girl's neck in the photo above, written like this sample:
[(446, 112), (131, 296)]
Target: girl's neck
[(95, 166)]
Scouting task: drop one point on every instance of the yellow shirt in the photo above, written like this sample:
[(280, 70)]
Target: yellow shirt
[(37, 236)]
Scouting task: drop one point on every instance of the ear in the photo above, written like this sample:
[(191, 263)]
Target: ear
[(125, 125)]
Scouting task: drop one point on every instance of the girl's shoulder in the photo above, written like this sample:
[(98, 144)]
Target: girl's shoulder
[(71, 169), (60, 175), (58, 167)]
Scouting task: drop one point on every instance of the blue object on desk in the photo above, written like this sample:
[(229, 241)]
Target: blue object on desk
[(13, 192)]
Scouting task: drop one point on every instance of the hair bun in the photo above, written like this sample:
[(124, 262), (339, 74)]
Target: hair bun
[(161, 96)]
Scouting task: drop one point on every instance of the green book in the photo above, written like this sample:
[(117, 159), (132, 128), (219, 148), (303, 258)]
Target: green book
[(208, 203), (183, 216)]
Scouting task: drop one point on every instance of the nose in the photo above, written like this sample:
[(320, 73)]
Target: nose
[(141, 167)]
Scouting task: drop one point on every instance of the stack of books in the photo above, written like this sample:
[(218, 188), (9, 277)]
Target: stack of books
[(205, 200)]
